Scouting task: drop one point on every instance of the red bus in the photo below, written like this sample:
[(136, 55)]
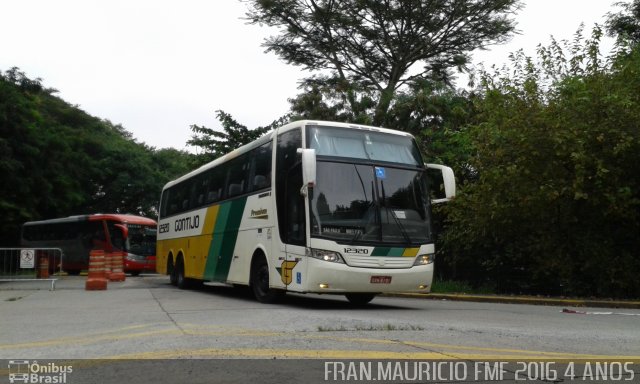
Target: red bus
[(78, 235)]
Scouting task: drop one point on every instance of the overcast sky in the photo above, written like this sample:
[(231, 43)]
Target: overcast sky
[(158, 66)]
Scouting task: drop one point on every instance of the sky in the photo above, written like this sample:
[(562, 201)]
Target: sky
[(158, 66)]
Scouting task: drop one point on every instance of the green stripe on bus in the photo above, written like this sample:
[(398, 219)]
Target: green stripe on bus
[(380, 251), (225, 234), (234, 218), (387, 251), (216, 241)]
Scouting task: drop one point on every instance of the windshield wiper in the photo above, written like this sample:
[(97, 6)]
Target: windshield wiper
[(402, 229), (364, 192), (393, 214)]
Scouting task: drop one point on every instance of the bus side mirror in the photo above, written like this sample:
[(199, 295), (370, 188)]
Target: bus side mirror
[(123, 229), (308, 169), (448, 180)]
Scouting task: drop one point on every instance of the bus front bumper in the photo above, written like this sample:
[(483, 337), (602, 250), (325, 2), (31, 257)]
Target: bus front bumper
[(335, 278)]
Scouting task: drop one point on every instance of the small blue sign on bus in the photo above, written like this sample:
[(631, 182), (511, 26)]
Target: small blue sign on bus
[(298, 277), (381, 173)]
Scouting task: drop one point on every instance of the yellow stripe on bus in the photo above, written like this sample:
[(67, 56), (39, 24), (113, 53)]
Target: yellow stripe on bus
[(410, 252), (210, 220)]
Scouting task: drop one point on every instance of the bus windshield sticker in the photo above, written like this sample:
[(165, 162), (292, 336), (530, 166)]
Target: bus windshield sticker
[(381, 173)]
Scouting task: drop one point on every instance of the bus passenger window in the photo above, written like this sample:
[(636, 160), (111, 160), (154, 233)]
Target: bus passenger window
[(261, 167), (238, 174), (259, 182), (235, 189), (212, 196)]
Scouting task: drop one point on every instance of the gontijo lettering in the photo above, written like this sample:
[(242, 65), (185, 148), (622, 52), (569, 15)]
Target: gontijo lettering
[(187, 223)]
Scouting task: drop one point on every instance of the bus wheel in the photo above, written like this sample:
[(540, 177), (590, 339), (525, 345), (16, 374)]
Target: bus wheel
[(260, 281), (173, 277), (181, 281), (360, 299)]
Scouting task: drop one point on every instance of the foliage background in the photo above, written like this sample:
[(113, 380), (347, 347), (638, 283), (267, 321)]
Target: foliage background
[(56, 160)]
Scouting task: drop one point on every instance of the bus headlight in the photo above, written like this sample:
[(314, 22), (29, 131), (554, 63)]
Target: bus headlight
[(424, 259), (322, 254)]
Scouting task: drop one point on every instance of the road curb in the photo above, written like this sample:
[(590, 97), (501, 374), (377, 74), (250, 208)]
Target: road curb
[(524, 300)]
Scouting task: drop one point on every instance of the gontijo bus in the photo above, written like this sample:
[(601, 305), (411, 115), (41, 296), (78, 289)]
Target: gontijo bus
[(78, 235), (311, 206)]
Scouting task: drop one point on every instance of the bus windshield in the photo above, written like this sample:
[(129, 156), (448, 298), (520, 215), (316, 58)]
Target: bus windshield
[(141, 240), (363, 203), (378, 196)]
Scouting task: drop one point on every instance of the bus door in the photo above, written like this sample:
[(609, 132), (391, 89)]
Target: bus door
[(295, 248), (291, 210)]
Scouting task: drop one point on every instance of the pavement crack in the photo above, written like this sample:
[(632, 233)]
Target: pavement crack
[(424, 349), (167, 313)]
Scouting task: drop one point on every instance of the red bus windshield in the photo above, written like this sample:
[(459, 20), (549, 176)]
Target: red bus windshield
[(142, 240)]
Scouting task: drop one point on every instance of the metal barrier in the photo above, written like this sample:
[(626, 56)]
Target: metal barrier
[(31, 264)]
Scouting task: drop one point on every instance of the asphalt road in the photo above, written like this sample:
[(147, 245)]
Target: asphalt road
[(146, 318)]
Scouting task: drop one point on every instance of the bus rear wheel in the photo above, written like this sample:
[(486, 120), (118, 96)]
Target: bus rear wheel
[(360, 299), (260, 282), (173, 277), (181, 281)]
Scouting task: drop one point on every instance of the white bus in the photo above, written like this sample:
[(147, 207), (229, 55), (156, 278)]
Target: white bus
[(311, 207)]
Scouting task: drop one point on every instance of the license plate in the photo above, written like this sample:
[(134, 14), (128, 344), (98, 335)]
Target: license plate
[(380, 279)]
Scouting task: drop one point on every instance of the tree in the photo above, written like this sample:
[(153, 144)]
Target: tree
[(625, 24), (329, 101), (214, 144), (378, 46), (56, 160), (556, 207)]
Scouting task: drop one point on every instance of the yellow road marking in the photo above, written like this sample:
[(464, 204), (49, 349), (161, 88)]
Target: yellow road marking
[(343, 354), (443, 352), (89, 339)]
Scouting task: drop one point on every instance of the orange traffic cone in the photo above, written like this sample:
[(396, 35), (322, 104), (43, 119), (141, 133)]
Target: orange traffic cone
[(96, 280), (117, 260), (108, 265)]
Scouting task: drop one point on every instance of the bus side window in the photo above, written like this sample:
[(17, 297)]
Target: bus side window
[(215, 184), (237, 175), (198, 191), (259, 182), (261, 167), (98, 238), (235, 189), (212, 196), (117, 241), (174, 200)]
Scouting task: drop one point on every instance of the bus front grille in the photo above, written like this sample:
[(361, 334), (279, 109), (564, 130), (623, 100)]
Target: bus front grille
[(379, 262)]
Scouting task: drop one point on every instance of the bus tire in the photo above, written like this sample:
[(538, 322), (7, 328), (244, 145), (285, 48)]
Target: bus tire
[(171, 270), (259, 281), (181, 281), (360, 299)]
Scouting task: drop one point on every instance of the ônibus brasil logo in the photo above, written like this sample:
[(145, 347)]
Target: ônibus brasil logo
[(24, 371)]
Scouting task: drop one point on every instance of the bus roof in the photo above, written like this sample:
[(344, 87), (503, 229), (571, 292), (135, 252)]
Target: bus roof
[(122, 218), (347, 125), (269, 135)]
